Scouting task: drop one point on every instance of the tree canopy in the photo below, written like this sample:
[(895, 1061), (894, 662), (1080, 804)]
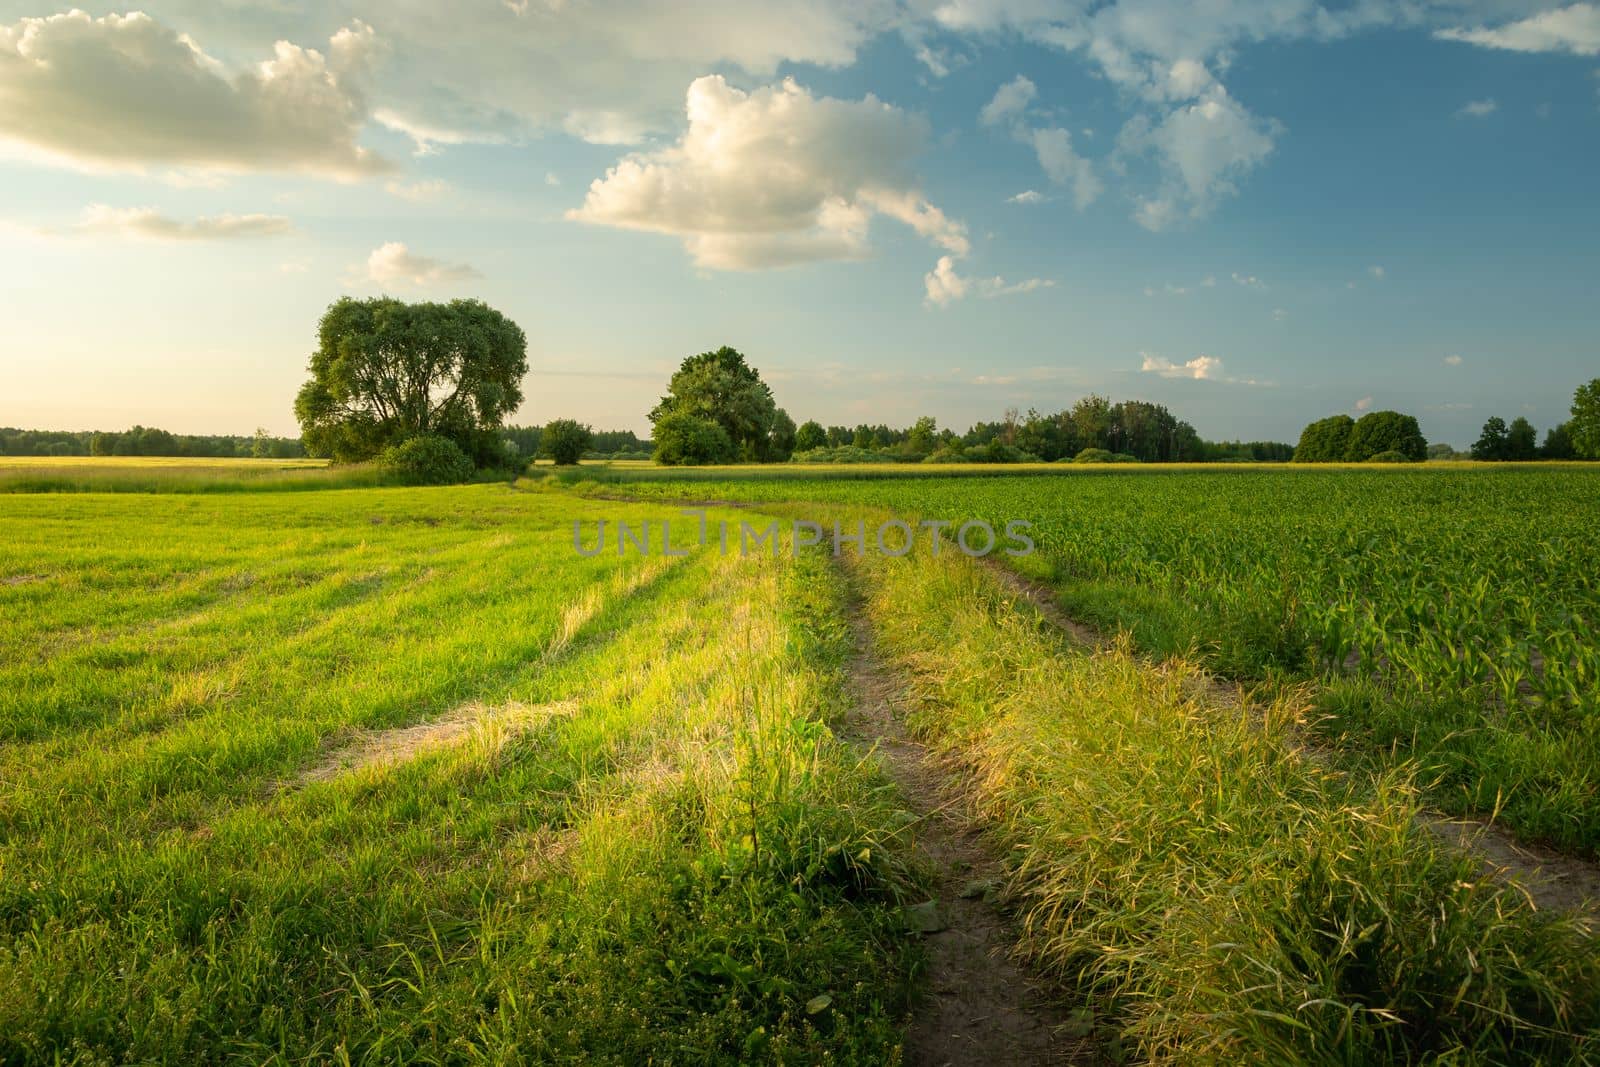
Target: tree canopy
[(565, 440), (1386, 431), (1325, 441), (722, 388), (1341, 439), (386, 371), (1584, 429)]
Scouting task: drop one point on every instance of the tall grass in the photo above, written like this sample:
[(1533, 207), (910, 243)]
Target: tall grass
[(1219, 896)]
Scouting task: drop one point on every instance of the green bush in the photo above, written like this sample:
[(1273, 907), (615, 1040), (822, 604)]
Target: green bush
[(1100, 455), (843, 454), (427, 460), (1391, 456), (688, 440), (565, 441)]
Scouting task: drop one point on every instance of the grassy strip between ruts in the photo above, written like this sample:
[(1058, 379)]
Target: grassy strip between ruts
[(1217, 895), (648, 846)]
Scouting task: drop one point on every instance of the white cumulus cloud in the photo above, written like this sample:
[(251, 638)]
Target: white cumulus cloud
[(944, 285), (125, 91), (1478, 109), (1200, 367), (774, 177), (395, 264)]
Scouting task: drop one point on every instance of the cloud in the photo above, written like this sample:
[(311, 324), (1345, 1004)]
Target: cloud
[(606, 71), (395, 264), (1478, 109), (419, 191), (1364, 403), (1051, 145), (1027, 196), (1452, 361), (944, 285), (125, 92), (1010, 101), (1248, 281), (1202, 150), (551, 178), (1377, 272), (1200, 368), (774, 177), (147, 223), (1574, 29)]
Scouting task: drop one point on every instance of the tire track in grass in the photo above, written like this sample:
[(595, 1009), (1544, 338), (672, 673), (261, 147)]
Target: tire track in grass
[(980, 1007)]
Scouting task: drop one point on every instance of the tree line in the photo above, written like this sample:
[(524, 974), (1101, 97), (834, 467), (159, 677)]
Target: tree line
[(147, 441), (1389, 436), (424, 389)]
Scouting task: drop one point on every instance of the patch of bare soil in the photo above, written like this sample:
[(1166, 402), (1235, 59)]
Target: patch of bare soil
[(1553, 881), (981, 1008), (385, 747), (21, 579)]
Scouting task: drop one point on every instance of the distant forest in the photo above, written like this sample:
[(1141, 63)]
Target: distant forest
[(146, 441)]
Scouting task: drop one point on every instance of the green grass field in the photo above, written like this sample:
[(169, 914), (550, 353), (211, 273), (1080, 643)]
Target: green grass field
[(329, 771)]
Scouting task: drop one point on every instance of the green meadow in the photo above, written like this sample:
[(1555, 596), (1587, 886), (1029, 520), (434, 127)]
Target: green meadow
[(300, 767)]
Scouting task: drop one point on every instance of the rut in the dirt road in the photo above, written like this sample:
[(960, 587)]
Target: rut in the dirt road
[(980, 1007)]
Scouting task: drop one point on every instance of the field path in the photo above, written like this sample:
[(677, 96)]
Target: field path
[(980, 1008)]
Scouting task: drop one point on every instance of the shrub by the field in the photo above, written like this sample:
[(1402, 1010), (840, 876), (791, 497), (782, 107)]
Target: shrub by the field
[(688, 440), (1100, 455), (1390, 456), (993, 452), (842, 454), (427, 460), (564, 440)]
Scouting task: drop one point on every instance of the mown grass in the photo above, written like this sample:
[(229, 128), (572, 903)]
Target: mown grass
[(648, 846), (1218, 895)]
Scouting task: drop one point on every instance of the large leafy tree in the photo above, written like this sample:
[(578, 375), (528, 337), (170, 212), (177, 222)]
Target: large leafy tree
[(1325, 441), (1557, 443), (1522, 440), (1584, 428), (386, 371), (1494, 442), (810, 435), (720, 387)]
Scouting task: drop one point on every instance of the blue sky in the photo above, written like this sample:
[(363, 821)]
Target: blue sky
[(1258, 212)]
